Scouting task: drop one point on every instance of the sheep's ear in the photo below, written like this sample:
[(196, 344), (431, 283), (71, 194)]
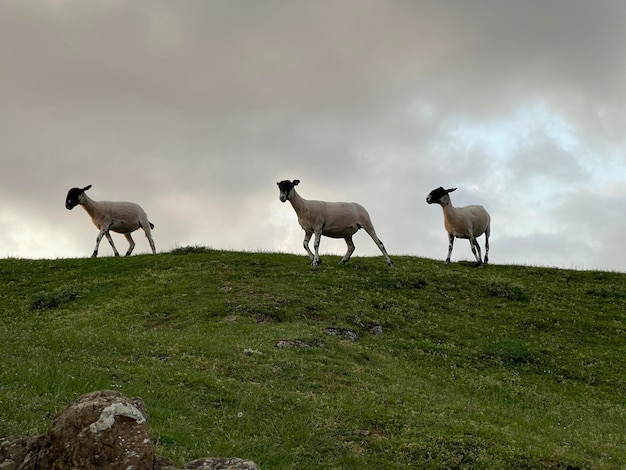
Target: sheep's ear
[(296, 182), (86, 187), (450, 190)]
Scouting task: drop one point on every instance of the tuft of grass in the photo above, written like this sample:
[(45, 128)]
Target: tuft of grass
[(506, 290), (510, 352), (185, 250), (351, 366), (607, 292), (48, 300)]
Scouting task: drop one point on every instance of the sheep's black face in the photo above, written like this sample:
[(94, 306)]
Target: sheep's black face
[(438, 195), (284, 188), (73, 198), (435, 195)]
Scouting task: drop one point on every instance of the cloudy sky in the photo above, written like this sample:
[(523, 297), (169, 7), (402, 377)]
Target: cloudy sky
[(195, 109)]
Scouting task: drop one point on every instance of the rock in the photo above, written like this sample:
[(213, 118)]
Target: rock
[(343, 333), (103, 430), (161, 463), (19, 452), (250, 352), (298, 343), (214, 463), (100, 430), (376, 330)]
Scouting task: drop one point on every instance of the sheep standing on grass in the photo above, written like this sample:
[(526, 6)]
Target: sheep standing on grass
[(463, 222), (332, 219), (120, 217)]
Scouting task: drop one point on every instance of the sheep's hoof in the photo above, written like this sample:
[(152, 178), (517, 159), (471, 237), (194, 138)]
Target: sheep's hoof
[(390, 265)]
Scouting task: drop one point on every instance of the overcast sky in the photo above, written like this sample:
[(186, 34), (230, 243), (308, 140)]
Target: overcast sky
[(195, 109)]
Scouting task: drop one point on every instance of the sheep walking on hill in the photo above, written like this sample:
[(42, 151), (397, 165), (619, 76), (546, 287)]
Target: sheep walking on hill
[(332, 219), (120, 217), (463, 222)]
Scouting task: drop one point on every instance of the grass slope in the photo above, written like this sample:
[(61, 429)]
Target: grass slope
[(502, 367)]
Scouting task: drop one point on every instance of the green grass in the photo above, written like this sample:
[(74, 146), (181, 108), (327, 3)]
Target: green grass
[(501, 367)]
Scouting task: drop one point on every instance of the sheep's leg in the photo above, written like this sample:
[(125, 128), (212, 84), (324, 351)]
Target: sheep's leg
[(103, 232), (131, 243), (381, 247), (305, 244), (148, 233), (351, 249), (385, 254), (476, 250), (108, 235), (316, 246), (98, 239), (487, 232), (372, 233), (450, 246)]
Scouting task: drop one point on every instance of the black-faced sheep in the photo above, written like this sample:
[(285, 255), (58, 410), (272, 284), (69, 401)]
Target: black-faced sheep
[(331, 219), (467, 222), (120, 217)]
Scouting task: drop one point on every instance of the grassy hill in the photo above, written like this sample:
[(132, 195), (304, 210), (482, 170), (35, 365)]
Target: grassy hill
[(356, 366)]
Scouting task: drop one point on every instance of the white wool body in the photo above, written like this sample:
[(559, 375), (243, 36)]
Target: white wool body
[(120, 217), (331, 219), (469, 222)]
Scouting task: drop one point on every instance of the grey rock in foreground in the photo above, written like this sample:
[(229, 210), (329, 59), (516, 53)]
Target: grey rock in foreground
[(104, 430)]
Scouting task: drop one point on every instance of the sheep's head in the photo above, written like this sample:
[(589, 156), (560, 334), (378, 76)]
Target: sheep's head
[(74, 197), (436, 196), (285, 187)]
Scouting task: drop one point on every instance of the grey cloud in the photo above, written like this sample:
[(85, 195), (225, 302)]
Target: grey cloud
[(195, 109)]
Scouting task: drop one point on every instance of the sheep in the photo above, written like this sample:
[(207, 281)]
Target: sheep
[(467, 222), (332, 219), (120, 217)]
